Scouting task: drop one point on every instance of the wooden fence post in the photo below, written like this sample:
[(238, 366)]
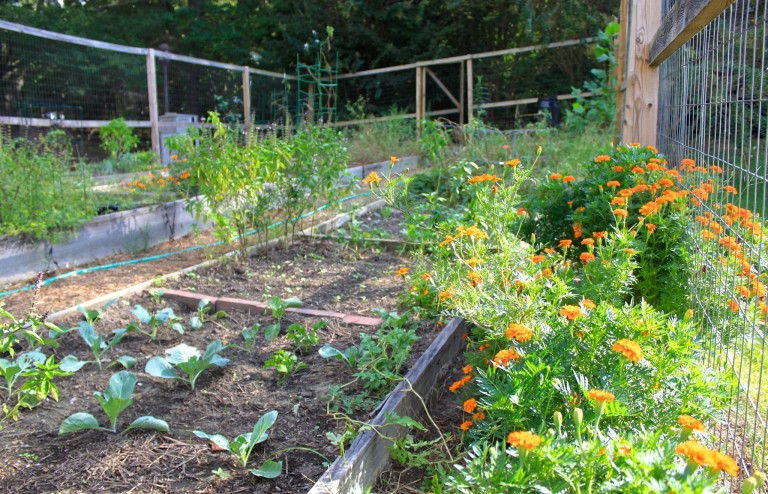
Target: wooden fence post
[(462, 95), (152, 96), (621, 68), (246, 100), (419, 98), (470, 93), (642, 93)]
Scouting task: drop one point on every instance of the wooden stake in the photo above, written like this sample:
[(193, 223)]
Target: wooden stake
[(462, 96), (246, 99), (470, 93), (621, 68), (152, 97)]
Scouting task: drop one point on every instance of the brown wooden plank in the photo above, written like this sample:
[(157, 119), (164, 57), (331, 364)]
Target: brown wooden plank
[(528, 101), (42, 33), (621, 67), (470, 93), (246, 100), (153, 111), (682, 22)]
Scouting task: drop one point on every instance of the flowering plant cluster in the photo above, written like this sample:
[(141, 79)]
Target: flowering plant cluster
[(575, 379)]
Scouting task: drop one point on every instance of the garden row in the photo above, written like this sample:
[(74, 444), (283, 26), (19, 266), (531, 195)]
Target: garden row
[(584, 362)]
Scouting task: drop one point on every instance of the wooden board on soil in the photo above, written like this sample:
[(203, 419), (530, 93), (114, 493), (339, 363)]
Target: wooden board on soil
[(324, 274)]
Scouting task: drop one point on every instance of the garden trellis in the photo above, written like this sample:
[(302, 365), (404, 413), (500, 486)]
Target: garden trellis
[(708, 61), (55, 80)]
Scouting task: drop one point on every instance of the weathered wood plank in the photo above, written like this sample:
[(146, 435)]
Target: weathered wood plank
[(470, 93), (682, 22), (621, 67), (154, 118), (369, 455), (42, 33), (246, 100), (528, 101), (442, 86)]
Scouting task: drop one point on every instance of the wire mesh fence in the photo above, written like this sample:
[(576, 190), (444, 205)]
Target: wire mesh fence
[(713, 108)]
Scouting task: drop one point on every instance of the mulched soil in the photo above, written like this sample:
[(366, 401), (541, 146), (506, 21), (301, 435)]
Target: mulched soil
[(324, 274)]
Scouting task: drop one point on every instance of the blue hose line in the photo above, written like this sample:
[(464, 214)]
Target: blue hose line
[(168, 254)]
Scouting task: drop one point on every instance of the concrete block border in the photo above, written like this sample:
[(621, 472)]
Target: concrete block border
[(368, 455), (326, 226)]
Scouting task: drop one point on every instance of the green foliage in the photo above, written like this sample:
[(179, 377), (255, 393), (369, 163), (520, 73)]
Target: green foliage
[(242, 446), (285, 363), (114, 400), (188, 360), (277, 306), (44, 192), (249, 336), (117, 138), (155, 322), (97, 343), (305, 338)]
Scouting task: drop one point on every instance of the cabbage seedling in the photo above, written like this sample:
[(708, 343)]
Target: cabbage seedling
[(155, 321), (188, 360), (115, 399), (242, 446), (278, 306), (96, 342)]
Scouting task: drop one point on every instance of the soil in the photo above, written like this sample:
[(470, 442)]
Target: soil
[(322, 273)]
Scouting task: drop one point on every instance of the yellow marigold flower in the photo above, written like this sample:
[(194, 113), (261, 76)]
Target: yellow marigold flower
[(695, 453), (504, 356), (472, 231), (448, 240), (518, 332), (474, 261), (393, 160), (402, 272), (445, 295), (586, 257), (470, 405), (630, 349), (571, 311), (690, 423), (372, 178), (602, 396), (513, 162), (523, 439), (602, 158), (466, 425)]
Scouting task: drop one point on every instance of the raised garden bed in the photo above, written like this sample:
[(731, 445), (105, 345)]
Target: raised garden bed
[(228, 400)]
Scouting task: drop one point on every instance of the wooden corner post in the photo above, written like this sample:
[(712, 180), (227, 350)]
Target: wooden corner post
[(419, 98), (152, 97), (640, 115)]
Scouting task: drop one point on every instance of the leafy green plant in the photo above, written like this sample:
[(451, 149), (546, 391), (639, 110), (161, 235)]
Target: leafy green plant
[(305, 338), (97, 343), (155, 322), (188, 360), (203, 308), (277, 306), (13, 370), (242, 446), (249, 336), (114, 400), (117, 138), (285, 363)]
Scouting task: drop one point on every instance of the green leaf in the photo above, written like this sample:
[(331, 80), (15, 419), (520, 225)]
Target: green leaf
[(159, 367), (613, 29), (261, 427), (142, 314), (121, 385), (126, 361), (406, 421), (181, 353), (148, 422), (178, 327), (93, 340), (269, 469), (327, 351), (78, 422), (271, 331), (292, 302), (195, 323), (216, 439), (70, 363)]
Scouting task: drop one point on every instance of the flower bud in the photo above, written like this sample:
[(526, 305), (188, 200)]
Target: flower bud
[(558, 423), (688, 315), (749, 486)]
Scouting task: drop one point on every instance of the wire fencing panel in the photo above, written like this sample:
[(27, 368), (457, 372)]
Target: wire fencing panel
[(376, 95), (713, 108)]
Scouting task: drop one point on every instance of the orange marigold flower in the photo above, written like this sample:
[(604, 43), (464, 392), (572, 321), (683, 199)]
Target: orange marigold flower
[(474, 261), (695, 453), (743, 291), (523, 439), (470, 405), (556, 176), (652, 148), (513, 162), (687, 162), (588, 303), (630, 349), (665, 182), (477, 417), (569, 178), (466, 425), (620, 212), (518, 332), (586, 257), (472, 232), (731, 189), (571, 311), (599, 234), (448, 240), (651, 227), (630, 251), (613, 183), (426, 276), (538, 258), (565, 243), (372, 178), (495, 189), (602, 396), (503, 357), (617, 169), (467, 369), (445, 295), (474, 278), (602, 158), (626, 192), (588, 241), (521, 211), (734, 305), (393, 160), (485, 177), (690, 423), (458, 384), (402, 272), (721, 461), (549, 250), (638, 169)]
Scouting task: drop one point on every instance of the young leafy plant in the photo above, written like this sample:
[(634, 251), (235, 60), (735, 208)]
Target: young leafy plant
[(115, 399), (12, 370), (96, 342), (304, 339), (188, 360), (284, 362), (249, 335), (278, 306), (242, 446), (155, 321)]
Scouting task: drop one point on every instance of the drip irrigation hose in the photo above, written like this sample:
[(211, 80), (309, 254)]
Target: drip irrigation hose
[(103, 267)]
